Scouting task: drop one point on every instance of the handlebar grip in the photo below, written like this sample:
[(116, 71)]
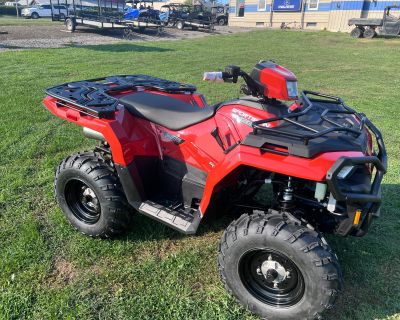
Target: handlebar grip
[(213, 76)]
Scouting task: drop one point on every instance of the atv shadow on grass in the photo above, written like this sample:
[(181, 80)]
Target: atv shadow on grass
[(370, 264)]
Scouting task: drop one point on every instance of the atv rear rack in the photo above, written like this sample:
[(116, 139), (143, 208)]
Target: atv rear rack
[(96, 97), (306, 136)]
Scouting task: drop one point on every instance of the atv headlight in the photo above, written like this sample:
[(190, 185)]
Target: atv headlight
[(291, 87), (345, 172)]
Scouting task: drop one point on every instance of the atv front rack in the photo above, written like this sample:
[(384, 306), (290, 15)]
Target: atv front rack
[(96, 97), (323, 124), (308, 133)]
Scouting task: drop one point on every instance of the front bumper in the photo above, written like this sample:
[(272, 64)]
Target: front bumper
[(367, 202)]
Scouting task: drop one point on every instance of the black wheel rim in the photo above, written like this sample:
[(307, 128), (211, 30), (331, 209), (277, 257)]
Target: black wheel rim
[(271, 287), (82, 201)]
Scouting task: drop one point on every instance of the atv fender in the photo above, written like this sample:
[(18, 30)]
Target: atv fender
[(314, 169)]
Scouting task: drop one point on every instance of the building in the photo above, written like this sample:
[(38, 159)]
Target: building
[(332, 15)]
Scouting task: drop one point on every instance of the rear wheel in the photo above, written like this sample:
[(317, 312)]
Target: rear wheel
[(91, 197), (369, 33), (278, 269), (356, 32)]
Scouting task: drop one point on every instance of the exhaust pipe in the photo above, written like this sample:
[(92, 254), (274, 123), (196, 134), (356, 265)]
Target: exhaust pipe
[(92, 134)]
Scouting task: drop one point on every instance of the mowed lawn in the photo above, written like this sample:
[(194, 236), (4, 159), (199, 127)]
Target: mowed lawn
[(6, 20), (50, 271)]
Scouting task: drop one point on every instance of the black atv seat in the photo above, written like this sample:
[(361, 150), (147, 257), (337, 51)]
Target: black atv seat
[(168, 112)]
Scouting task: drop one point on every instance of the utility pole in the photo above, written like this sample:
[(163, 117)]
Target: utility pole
[(16, 8), (303, 10)]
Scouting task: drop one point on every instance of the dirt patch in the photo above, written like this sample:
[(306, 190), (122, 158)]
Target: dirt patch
[(55, 36), (62, 272)]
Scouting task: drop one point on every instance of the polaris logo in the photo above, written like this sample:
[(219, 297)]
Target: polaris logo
[(245, 118), (172, 138)]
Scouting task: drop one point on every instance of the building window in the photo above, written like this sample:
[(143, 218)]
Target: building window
[(262, 4), (313, 4), (240, 8)]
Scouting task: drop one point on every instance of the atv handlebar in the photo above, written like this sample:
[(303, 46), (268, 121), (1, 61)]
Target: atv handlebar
[(231, 74)]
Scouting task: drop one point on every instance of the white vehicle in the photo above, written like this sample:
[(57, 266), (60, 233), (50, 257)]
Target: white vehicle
[(39, 11), (12, 4)]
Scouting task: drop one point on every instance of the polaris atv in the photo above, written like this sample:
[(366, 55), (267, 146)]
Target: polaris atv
[(294, 170)]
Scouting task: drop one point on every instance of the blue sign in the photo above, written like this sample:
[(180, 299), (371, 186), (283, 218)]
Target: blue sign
[(286, 5)]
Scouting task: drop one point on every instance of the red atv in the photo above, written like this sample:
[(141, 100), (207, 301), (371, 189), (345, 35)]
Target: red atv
[(294, 171)]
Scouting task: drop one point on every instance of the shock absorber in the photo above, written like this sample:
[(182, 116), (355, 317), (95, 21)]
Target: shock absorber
[(286, 200)]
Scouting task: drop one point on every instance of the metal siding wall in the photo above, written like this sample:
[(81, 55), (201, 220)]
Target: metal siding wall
[(332, 15), (252, 16)]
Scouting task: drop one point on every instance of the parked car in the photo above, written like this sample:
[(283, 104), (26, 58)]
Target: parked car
[(220, 14), (40, 11)]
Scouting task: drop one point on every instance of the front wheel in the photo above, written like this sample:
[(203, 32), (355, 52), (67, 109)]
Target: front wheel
[(278, 269), (91, 197), (35, 15), (221, 22)]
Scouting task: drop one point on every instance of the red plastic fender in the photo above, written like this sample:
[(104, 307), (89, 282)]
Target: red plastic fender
[(309, 169)]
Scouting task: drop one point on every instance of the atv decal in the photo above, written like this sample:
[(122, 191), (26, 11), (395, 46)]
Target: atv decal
[(243, 117), (172, 138)]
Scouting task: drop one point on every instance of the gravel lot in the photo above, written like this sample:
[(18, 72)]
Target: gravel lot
[(55, 36)]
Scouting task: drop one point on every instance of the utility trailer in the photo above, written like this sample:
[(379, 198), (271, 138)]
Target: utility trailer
[(198, 18), (389, 25), (104, 14), (182, 15), (195, 24)]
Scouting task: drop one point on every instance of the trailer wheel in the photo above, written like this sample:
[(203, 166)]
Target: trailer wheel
[(194, 28), (278, 269), (369, 33), (180, 25), (91, 196), (142, 29), (62, 16), (70, 24), (356, 32)]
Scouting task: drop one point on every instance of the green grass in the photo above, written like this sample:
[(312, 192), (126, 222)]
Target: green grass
[(14, 21), (50, 271)]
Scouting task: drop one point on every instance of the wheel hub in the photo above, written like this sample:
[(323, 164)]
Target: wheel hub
[(271, 277), (273, 271), (89, 198), (82, 201)]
